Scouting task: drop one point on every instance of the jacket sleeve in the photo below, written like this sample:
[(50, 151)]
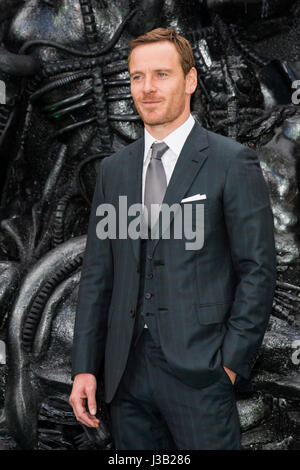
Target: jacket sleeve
[(94, 295), (250, 227)]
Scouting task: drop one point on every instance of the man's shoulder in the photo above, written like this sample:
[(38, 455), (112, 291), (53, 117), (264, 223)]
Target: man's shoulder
[(224, 145), (224, 150), (122, 155)]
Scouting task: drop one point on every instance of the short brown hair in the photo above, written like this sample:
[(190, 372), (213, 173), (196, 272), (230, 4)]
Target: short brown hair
[(182, 45)]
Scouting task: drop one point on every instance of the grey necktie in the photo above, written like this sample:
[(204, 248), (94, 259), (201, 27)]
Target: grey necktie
[(156, 182)]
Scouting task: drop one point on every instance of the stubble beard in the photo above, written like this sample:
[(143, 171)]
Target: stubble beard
[(156, 121)]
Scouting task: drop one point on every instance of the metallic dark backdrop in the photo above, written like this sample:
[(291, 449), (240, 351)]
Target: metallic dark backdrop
[(68, 104)]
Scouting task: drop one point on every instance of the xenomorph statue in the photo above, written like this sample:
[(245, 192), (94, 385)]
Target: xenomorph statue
[(68, 105)]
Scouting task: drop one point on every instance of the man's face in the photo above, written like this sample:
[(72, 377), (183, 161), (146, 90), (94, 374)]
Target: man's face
[(160, 91)]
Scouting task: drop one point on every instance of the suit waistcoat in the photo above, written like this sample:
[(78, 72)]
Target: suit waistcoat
[(146, 305)]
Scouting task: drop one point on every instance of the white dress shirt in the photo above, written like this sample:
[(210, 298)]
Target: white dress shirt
[(175, 142)]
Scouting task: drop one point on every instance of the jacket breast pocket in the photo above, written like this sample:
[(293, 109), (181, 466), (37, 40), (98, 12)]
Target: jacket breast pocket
[(195, 218), (213, 313)]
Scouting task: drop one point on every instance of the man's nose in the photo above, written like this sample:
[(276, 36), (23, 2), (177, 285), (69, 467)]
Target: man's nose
[(149, 85)]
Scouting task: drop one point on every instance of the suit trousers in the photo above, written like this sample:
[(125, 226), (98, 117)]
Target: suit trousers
[(154, 410)]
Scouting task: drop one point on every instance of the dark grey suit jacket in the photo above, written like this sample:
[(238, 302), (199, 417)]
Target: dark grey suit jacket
[(212, 304)]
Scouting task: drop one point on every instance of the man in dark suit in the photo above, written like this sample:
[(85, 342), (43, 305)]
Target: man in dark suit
[(173, 325)]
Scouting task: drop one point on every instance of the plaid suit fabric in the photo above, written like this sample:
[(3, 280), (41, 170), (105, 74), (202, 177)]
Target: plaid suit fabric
[(154, 410)]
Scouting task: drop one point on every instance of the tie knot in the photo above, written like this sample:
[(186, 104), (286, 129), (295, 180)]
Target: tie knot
[(158, 149)]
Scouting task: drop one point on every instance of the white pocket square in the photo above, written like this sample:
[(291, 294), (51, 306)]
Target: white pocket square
[(196, 197)]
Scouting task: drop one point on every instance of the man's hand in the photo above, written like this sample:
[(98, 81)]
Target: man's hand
[(232, 375), (84, 388)]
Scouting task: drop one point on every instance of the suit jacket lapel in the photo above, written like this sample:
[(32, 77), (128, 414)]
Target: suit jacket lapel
[(186, 169), (134, 180)]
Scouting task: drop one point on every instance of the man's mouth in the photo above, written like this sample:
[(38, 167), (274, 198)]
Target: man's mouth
[(150, 102)]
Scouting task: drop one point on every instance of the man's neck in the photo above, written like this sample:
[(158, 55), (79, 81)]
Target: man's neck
[(161, 131)]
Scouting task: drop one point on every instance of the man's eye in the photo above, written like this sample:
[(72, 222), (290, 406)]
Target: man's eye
[(136, 77), (162, 74)]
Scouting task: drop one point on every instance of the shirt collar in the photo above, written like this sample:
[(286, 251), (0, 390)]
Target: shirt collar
[(175, 140)]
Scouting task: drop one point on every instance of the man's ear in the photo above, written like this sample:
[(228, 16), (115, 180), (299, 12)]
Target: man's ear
[(191, 81)]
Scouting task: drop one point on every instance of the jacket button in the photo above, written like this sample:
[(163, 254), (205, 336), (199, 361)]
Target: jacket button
[(149, 276), (148, 295), (132, 313), (149, 256)]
